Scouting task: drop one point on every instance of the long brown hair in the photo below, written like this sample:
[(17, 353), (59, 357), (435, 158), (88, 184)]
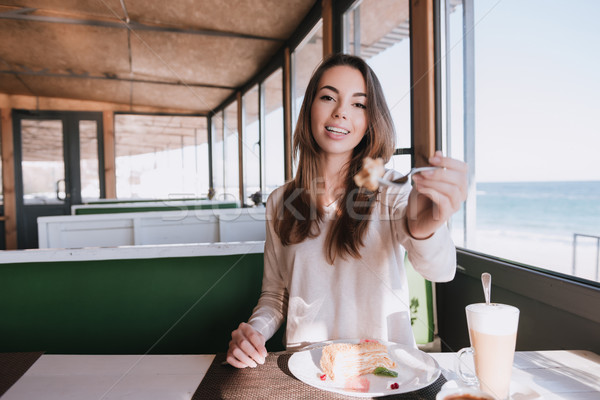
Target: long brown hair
[(299, 212)]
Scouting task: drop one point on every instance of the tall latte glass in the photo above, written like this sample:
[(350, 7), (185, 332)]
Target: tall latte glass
[(493, 334)]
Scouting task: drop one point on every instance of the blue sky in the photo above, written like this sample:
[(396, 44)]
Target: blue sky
[(537, 96)]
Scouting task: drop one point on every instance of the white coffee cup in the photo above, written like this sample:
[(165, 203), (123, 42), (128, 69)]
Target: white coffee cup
[(493, 335)]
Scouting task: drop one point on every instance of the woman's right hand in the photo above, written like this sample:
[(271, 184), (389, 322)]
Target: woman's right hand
[(247, 347)]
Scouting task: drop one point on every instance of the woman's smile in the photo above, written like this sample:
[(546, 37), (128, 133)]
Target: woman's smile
[(336, 131)]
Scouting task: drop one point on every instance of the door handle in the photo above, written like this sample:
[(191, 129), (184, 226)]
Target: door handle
[(58, 190)]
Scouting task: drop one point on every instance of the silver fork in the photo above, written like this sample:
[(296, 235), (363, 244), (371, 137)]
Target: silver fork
[(404, 179), (283, 352)]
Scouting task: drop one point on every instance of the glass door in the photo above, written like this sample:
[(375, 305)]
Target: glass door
[(57, 162)]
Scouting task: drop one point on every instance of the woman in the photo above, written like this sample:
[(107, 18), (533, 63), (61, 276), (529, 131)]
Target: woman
[(334, 252)]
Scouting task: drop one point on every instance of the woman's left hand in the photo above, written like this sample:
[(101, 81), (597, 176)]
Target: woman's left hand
[(436, 195)]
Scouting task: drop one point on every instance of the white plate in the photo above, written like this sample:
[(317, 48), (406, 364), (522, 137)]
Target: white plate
[(415, 368)]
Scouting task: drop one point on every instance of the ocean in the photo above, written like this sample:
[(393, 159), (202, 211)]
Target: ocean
[(534, 223), (555, 208)]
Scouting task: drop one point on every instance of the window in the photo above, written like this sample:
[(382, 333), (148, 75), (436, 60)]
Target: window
[(43, 162), (378, 31), (454, 99), (251, 145), (273, 137), (1, 182), (305, 59), (161, 156), (218, 154), (232, 161), (88, 160), (536, 189)]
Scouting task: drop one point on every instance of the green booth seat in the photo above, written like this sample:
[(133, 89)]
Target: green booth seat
[(151, 228), (167, 299), (126, 201), (152, 301), (150, 206)]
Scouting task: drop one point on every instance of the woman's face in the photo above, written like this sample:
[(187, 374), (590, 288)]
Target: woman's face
[(339, 111)]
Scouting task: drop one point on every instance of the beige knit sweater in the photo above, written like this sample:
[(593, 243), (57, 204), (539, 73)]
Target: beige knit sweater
[(354, 298)]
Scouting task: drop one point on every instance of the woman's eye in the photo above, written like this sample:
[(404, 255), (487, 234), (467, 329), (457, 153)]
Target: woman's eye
[(326, 97), (360, 105)]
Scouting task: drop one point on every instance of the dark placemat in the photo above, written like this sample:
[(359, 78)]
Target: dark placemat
[(273, 380), (13, 366)]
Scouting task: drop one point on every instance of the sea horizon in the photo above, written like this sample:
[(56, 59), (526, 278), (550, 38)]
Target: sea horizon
[(535, 223)]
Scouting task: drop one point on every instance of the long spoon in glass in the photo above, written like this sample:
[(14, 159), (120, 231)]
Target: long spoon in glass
[(486, 282)]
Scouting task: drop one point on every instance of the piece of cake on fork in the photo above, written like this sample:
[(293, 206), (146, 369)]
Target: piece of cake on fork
[(370, 173)]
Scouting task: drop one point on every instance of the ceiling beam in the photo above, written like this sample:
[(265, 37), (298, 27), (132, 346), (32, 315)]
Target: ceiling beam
[(25, 14), (109, 77)]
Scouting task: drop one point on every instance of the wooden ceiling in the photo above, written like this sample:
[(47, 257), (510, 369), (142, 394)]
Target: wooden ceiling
[(188, 55)]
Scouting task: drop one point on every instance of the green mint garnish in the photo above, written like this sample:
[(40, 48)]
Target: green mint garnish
[(382, 371)]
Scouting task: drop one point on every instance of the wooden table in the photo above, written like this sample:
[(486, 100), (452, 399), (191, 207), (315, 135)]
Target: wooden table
[(536, 375)]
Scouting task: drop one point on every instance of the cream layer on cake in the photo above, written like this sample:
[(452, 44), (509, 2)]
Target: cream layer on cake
[(345, 360)]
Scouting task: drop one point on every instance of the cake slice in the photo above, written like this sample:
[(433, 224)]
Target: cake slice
[(345, 360)]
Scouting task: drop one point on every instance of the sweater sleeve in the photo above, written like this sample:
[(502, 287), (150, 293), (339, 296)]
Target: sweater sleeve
[(271, 309), (435, 257)]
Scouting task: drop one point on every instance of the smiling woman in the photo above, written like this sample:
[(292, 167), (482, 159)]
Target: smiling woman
[(334, 253)]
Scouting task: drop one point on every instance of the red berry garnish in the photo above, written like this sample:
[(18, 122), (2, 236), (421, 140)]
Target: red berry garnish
[(323, 377), (394, 385)]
